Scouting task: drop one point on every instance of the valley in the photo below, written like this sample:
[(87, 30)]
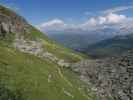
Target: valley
[(31, 65), (81, 61)]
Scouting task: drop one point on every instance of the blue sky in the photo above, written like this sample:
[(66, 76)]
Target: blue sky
[(71, 11)]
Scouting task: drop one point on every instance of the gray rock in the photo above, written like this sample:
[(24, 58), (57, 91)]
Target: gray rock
[(10, 22), (112, 77), (5, 28)]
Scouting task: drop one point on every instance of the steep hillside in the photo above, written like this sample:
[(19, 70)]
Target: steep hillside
[(30, 78), (111, 47), (24, 35), (33, 67)]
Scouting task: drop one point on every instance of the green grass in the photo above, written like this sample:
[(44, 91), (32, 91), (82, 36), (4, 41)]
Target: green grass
[(29, 75), (61, 52), (51, 46), (25, 76), (83, 87)]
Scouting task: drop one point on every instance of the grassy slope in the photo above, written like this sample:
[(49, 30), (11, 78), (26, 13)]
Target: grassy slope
[(49, 45), (27, 77), (54, 48), (29, 74)]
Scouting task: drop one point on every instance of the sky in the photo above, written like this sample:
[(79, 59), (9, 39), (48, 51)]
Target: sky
[(46, 14)]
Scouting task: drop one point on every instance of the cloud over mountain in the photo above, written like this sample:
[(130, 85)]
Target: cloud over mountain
[(96, 28), (109, 20), (55, 24)]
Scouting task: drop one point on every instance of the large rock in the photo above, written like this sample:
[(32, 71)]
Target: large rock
[(10, 22), (4, 29)]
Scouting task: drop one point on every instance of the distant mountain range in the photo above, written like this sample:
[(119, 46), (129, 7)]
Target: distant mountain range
[(97, 41), (110, 47), (79, 36)]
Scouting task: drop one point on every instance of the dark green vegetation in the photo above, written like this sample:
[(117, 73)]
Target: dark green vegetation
[(6, 94), (111, 47), (25, 76)]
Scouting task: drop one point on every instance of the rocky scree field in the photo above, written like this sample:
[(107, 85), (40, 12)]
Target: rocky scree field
[(111, 78)]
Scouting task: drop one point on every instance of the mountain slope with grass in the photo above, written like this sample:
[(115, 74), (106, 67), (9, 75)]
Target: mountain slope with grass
[(111, 47), (33, 67)]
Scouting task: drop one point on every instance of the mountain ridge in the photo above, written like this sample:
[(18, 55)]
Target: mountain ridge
[(111, 47)]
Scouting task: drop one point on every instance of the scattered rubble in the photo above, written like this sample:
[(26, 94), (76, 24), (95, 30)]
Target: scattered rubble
[(110, 77), (36, 48)]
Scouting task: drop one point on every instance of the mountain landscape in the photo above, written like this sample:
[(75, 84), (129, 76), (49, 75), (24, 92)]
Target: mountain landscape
[(31, 65), (62, 59), (91, 32), (101, 43), (110, 47), (80, 40), (111, 77)]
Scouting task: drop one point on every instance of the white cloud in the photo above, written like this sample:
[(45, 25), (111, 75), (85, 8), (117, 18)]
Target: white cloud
[(54, 25), (53, 22), (92, 22), (112, 20), (102, 20), (117, 9), (108, 18)]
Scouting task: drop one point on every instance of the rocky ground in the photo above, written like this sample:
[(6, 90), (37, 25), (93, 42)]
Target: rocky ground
[(36, 48), (110, 78)]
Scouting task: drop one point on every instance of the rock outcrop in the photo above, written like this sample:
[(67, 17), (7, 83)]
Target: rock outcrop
[(110, 78), (10, 22)]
